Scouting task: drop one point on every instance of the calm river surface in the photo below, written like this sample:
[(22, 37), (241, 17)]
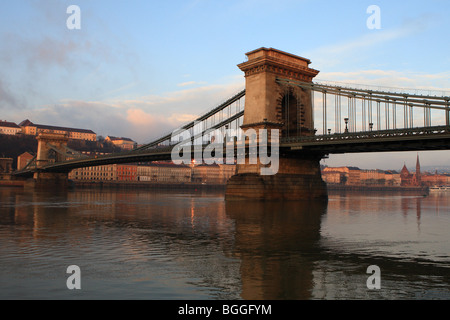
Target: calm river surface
[(147, 244)]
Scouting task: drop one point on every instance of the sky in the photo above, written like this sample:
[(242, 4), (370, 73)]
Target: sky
[(139, 69)]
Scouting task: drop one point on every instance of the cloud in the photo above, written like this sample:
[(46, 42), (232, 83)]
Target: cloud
[(44, 62), (355, 49), (48, 51), (367, 40), (188, 83), (46, 68), (42, 53), (139, 117), (182, 118), (7, 99)]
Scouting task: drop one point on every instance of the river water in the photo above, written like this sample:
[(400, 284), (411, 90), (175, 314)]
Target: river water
[(147, 244)]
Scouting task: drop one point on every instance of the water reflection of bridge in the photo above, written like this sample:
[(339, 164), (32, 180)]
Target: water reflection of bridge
[(250, 250)]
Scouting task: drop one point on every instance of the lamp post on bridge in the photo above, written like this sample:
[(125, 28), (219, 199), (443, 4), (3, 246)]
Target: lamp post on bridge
[(370, 126), (225, 135), (346, 125)]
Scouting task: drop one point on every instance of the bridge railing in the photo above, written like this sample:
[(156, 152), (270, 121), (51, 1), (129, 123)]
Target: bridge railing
[(369, 135)]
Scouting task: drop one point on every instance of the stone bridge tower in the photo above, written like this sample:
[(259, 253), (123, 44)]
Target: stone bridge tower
[(51, 148), (273, 105)]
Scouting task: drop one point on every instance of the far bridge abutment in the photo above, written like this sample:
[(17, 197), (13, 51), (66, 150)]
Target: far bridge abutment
[(51, 149)]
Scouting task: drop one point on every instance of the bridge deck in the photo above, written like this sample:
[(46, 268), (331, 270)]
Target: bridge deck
[(417, 139)]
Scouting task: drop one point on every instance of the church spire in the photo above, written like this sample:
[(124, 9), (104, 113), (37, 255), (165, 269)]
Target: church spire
[(418, 178)]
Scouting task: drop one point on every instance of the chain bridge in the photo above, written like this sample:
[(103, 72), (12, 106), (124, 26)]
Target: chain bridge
[(314, 120)]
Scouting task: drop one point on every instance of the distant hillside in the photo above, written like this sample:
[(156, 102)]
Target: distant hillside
[(13, 146), (432, 169)]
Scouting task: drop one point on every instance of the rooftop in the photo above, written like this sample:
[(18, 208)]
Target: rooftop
[(118, 138), (263, 51), (27, 123), (4, 123), (166, 165)]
